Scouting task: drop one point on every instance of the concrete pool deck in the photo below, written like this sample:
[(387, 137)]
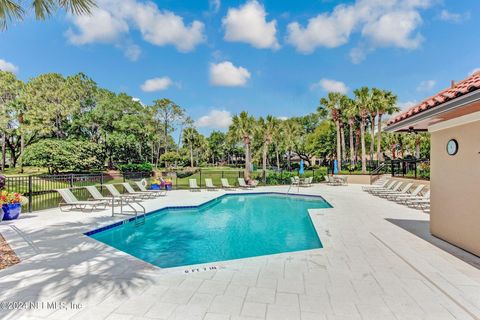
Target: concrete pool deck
[(378, 262)]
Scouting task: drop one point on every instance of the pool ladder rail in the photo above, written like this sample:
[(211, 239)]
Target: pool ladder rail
[(128, 201)]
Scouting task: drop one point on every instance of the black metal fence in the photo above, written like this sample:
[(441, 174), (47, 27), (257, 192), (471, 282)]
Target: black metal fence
[(40, 190), (410, 168)]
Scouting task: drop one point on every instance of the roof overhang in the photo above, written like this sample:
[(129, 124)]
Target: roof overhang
[(458, 107)]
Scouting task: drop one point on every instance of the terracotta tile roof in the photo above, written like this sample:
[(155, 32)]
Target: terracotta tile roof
[(465, 86)]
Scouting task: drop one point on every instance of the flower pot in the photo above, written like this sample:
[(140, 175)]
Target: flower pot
[(155, 186), (11, 211)]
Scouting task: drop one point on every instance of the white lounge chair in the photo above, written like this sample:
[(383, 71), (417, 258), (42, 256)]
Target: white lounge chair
[(419, 202), (209, 184), (402, 197), (392, 194), (193, 185), (96, 195), (69, 200), (242, 184), (382, 185), (156, 192), (386, 185), (226, 184), (307, 182), (115, 193), (392, 187), (130, 190)]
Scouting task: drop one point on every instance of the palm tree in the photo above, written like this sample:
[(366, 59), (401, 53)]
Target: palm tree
[(386, 104), (14, 10), (190, 138), (350, 112), (332, 104), (291, 132), (363, 100), (266, 129), (242, 128)]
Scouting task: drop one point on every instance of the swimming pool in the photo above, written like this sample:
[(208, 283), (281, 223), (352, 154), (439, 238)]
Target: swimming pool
[(229, 227)]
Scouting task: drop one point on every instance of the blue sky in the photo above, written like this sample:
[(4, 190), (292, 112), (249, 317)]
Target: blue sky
[(216, 58)]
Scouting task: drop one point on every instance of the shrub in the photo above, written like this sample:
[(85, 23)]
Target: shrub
[(135, 167), (64, 155)]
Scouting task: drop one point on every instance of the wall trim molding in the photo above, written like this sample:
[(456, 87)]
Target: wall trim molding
[(465, 119)]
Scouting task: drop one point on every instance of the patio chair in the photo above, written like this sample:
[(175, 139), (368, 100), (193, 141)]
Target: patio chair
[(242, 184), (115, 193), (156, 192), (294, 182), (392, 187), (209, 184), (307, 182), (401, 197), (416, 202), (333, 181), (226, 184), (382, 185), (387, 185), (392, 194), (96, 195), (69, 200), (130, 190), (193, 185)]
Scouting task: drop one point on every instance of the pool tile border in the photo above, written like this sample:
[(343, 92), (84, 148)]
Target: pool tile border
[(119, 223)]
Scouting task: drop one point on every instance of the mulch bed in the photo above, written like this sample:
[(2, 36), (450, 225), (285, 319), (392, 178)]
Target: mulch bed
[(7, 255)]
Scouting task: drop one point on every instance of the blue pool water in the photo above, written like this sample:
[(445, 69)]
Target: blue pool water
[(229, 227)]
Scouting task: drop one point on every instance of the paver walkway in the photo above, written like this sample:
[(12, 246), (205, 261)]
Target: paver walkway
[(378, 262)]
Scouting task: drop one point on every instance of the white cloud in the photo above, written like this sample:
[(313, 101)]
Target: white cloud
[(214, 5), (446, 15), (395, 29), (101, 26), (392, 23), (132, 52), (282, 118), (426, 85), (406, 105), (330, 85), (248, 24), (227, 75), (8, 66), (473, 71), (112, 21), (156, 84), (215, 119)]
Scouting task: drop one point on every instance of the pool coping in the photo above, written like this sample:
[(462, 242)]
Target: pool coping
[(121, 222)]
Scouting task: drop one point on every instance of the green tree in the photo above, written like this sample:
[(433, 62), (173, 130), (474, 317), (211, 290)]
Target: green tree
[(52, 100), (14, 10), (191, 138), (363, 101), (10, 90), (64, 155), (266, 129), (350, 112), (216, 145), (385, 102), (332, 105), (168, 114), (292, 130), (242, 129)]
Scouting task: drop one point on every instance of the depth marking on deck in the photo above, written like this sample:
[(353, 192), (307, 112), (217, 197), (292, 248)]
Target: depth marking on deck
[(470, 313)]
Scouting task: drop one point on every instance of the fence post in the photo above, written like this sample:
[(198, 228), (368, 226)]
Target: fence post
[(30, 195), (200, 178), (101, 178), (71, 180)]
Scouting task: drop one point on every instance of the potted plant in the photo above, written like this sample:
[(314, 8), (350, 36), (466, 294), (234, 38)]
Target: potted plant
[(155, 184), (168, 184), (11, 204)]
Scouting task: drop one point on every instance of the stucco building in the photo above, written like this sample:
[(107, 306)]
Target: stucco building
[(453, 118)]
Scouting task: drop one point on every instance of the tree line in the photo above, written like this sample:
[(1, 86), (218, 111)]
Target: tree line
[(72, 124)]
